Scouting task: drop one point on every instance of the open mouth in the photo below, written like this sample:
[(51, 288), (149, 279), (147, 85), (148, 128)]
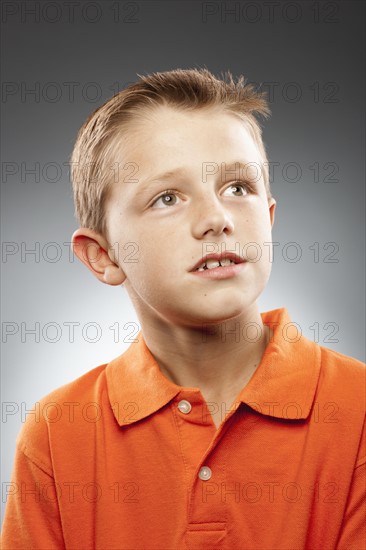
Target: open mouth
[(229, 261), (212, 264)]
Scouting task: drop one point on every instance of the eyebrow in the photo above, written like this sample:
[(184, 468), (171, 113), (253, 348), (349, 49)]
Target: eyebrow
[(162, 177), (181, 170)]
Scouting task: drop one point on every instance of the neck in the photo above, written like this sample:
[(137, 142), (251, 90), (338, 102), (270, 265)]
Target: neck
[(219, 359)]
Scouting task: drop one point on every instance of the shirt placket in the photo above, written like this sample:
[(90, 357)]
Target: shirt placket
[(205, 475)]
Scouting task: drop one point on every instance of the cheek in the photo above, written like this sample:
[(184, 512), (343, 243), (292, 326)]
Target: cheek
[(144, 257), (257, 223), (256, 232)]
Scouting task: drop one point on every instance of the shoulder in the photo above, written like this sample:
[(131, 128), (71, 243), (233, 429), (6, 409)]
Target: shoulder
[(340, 399), (60, 410), (341, 389), (343, 375), (83, 389), (336, 365)]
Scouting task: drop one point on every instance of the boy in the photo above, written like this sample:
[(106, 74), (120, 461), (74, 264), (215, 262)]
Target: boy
[(221, 427)]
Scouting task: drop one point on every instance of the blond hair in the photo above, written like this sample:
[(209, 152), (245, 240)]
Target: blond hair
[(186, 89)]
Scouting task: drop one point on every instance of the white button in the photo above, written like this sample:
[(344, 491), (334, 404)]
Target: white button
[(205, 473), (184, 406)]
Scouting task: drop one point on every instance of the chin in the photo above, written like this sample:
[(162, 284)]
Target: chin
[(215, 315)]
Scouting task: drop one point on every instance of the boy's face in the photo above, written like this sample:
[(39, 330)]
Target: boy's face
[(204, 212)]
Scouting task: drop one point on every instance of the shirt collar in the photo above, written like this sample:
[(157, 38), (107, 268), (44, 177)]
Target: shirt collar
[(283, 385)]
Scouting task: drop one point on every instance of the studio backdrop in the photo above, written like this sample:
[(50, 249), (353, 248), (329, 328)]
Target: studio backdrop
[(61, 60)]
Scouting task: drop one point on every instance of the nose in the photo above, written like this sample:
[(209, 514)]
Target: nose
[(211, 218)]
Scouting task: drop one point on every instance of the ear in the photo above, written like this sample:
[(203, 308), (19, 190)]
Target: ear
[(272, 207), (92, 250)]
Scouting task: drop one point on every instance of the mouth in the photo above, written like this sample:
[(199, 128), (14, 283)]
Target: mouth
[(217, 261)]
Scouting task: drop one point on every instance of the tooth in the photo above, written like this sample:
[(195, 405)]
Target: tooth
[(225, 262), (212, 263)]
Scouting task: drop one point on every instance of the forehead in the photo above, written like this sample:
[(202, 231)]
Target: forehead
[(169, 135)]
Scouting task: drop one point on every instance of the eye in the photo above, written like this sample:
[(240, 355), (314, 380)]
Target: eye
[(168, 198), (240, 186)]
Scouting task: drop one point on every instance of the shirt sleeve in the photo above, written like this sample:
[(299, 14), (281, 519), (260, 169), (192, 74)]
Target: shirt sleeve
[(32, 518), (353, 530)]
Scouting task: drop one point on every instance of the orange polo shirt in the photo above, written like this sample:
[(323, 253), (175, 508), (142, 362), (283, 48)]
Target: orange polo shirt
[(122, 458)]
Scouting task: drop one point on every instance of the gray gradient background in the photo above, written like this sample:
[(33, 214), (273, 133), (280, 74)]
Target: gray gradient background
[(168, 35)]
